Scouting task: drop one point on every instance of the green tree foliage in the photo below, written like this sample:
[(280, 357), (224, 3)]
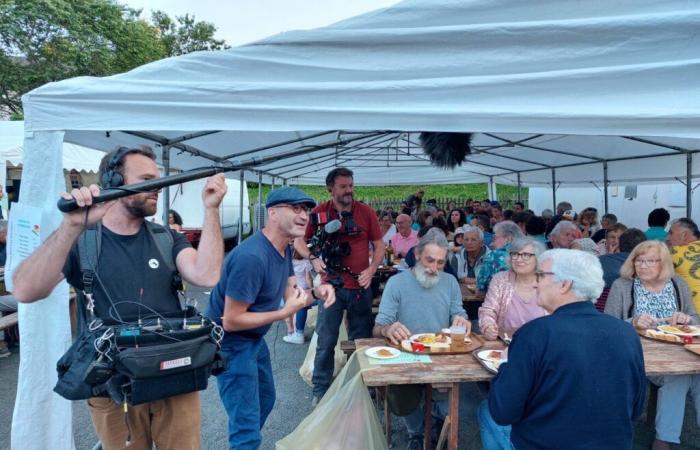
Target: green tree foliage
[(50, 40), (186, 35), (477, 191)]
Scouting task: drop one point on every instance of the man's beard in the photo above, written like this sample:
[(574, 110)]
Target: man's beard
[(345, 200), (424, 277), (140, 208)]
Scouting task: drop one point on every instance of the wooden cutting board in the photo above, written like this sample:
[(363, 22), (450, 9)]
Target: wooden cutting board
[(679, 341), (476, 342)]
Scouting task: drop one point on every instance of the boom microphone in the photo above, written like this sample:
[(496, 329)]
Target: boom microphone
[(146, 186), (446, 150)]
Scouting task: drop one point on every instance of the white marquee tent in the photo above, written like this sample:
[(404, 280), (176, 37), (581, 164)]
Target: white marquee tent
[(558, 91), (562, 85), (75, 157)]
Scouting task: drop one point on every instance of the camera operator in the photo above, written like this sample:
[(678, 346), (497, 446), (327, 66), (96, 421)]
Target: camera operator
[(131, 270), (359, 228)]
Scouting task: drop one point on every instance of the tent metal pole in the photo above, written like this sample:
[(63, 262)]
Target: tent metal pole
[(520, 198), (272, 186), (240, 211), (166, 193), (688, 184), (554, 190), (605, 186), (260, 189)]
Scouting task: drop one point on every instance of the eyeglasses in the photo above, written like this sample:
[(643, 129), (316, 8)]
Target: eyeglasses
[(297, 209), (646, 262), (522, 255), (540, 274)]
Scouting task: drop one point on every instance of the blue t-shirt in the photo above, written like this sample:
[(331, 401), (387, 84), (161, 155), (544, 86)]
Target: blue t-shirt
[(253, 273)]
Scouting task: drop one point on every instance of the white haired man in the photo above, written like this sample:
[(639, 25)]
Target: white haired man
[(573, 379), (421, 300), (563, 235)]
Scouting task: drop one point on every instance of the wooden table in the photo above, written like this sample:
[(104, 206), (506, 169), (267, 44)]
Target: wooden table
[(663, 358), (660, 358), (445, 371)]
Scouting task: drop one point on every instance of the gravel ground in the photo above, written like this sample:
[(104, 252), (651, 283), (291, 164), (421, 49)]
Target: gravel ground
[(293, 404)]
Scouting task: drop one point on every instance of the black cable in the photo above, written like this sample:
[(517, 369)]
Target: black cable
[(155, 313)]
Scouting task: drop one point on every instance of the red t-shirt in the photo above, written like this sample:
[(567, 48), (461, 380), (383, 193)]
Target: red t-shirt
[(366, 220)]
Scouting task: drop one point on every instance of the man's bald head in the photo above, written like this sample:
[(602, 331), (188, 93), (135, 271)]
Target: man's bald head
[(403, 224)]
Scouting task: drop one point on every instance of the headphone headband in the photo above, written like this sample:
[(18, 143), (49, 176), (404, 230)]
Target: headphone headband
[(111, 178)]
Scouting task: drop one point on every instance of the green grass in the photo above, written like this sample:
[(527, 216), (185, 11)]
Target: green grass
[(373, 194)]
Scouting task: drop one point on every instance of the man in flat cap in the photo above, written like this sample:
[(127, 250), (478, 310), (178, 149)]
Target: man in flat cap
[(255, 277)]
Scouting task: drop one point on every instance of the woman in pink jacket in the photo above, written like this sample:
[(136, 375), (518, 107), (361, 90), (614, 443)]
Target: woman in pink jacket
[(511, 300)]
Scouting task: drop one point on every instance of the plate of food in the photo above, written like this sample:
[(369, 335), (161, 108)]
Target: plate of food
[(433, 340), (382, 352), (660, 336), (680, 330), (491, 359)]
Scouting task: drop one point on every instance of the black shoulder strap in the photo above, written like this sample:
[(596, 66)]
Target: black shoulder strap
[(89, 245), (631, 310), (164, 242)]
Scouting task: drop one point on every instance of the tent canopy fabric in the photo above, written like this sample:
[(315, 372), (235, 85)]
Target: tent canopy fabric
[(75, 157), (544, 85)]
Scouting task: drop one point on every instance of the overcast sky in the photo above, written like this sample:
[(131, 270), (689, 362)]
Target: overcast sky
[(242, 21)]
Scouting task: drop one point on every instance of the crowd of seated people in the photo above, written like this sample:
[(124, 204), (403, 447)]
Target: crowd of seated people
[(648, 278)]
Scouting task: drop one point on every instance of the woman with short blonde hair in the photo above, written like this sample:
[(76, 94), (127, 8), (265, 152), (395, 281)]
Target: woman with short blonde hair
[(647, 294), (666, 271)]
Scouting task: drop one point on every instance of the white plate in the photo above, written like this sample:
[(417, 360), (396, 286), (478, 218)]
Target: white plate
[(415, 337), (694, 333), (373, 352), (492, 363)]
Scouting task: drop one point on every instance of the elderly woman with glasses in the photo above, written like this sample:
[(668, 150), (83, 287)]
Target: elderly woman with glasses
[(511, 300), (470, 257), (647, 294)]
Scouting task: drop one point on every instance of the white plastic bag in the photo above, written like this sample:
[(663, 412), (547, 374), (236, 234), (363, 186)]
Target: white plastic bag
[(311, 316), (307, 367), (345, 419)]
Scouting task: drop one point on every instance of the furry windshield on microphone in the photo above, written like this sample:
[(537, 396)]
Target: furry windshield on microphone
[(446, 150)]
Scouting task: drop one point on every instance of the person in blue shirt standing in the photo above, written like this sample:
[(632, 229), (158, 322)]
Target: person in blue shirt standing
[(657, 220), (255, 276), (573, 379)]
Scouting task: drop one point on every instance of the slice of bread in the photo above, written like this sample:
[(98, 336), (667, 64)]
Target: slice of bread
[(663, 336)]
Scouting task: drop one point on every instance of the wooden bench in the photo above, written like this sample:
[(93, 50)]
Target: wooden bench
[(348, 347), (8, 321)]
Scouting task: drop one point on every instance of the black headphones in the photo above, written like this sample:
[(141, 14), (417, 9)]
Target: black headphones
[(111, 178)]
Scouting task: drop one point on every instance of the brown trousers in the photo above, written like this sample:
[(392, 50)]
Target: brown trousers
[(171, 424)]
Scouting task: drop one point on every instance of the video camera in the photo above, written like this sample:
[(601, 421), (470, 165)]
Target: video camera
[(326, 244)]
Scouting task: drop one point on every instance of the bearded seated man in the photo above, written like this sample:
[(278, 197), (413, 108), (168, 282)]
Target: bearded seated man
[(421, 300)]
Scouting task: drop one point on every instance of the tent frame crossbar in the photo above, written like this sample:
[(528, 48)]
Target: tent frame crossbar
[(316, 159), (343, 155)]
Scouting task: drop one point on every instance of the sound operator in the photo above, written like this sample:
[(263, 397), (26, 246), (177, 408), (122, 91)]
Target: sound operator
[(344, 263), (130, 272)]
